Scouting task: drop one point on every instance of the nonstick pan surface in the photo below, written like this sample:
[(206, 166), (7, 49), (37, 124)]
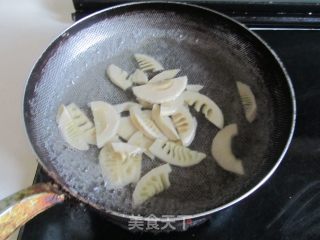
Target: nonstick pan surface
[(211, 50)]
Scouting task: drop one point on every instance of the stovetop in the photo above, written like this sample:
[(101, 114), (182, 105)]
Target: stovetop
[(285, 207)]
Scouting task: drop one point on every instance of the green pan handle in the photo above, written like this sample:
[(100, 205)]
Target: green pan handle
[(22, 206)]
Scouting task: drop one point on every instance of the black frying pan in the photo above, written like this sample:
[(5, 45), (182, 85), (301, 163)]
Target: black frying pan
[(212, 50)]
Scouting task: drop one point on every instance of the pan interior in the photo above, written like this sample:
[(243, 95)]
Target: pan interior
[(209, 53)]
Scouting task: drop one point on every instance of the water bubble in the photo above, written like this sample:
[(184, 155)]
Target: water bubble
[(85, 169)]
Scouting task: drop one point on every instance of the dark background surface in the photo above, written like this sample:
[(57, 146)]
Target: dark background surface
[(261, 13), (285, 207)]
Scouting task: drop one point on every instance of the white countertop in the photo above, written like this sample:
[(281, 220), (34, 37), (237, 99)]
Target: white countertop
[(27, 28)]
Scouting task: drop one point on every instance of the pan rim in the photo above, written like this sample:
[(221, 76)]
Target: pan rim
[(124, 216)]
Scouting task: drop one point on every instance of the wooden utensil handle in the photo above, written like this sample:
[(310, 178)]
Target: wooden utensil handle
[(22, 206)]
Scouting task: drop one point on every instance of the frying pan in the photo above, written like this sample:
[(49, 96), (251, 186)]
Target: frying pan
[(208, 47)]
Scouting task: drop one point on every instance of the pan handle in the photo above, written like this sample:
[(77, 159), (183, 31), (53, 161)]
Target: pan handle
[(22, 206)]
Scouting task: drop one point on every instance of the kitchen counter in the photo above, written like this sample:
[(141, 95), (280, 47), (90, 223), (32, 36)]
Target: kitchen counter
[(27, 27)]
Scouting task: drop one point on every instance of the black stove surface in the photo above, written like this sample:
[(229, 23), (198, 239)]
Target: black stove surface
[(285, 207)]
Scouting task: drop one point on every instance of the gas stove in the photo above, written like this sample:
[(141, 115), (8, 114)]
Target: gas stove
[(287, 205)]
